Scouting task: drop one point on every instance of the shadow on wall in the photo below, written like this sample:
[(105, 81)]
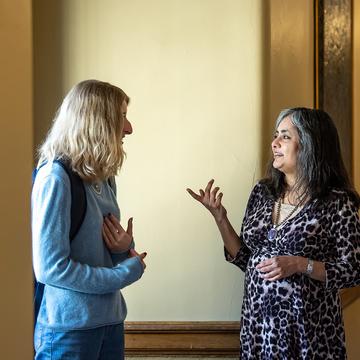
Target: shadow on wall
[(48, 67)]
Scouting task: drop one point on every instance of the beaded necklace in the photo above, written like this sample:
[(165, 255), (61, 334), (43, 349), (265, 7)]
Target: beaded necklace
[(272, 233)]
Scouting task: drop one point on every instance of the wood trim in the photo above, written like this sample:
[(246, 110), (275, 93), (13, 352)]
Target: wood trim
[(348, 296), (316, 53), (194, 338)]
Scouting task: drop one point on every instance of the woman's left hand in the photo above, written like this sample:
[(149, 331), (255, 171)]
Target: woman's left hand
[(280, 267), (115, 236)]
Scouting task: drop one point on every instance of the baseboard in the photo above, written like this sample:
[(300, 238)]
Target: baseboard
[(190, 338)]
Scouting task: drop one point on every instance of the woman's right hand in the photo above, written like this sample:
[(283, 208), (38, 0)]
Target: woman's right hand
[(211, 200), (134, 253)]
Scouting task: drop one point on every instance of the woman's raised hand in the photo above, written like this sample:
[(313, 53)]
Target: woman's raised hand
[(211, 199), (115, 236)]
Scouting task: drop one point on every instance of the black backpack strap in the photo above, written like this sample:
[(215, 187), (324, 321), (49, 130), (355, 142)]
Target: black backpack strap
[(78, 198), (78, 211), (112, 183)]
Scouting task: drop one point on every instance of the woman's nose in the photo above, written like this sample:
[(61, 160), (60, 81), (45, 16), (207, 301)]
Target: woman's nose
[(128, 127), (275, 143)]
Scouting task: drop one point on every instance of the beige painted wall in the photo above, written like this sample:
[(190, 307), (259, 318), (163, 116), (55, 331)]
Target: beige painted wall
[(199, 83), (15, 159), (291, 59)]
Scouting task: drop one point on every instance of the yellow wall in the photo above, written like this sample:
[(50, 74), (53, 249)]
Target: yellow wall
[(15, 159), (291, 59)]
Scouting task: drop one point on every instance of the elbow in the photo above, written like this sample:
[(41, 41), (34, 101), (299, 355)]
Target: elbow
[(44, 277), (53, 275)]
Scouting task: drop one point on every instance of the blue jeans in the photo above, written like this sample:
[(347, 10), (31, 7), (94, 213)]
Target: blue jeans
[(103, 343)]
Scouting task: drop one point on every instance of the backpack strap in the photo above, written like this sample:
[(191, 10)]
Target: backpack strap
[(112, 183), (78, 198)]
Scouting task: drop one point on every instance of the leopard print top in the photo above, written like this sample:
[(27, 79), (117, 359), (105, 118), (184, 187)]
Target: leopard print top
[(297, 317)]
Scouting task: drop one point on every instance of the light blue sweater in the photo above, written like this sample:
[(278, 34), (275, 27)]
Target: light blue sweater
[(82, 278)]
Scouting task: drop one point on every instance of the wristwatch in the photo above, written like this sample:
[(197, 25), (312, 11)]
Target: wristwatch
[(310, 267)]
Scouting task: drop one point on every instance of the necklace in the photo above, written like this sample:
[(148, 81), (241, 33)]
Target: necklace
[(96, 187), (272, 233)]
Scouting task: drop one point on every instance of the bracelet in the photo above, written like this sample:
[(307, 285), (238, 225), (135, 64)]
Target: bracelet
[(310, 267)]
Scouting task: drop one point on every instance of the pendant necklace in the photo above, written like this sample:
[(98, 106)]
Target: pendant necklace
[(96, 187), (272, 233)]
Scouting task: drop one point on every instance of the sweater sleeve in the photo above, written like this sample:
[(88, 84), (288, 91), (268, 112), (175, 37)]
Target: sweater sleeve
[(344, 270), (121, 256), (53, 265)]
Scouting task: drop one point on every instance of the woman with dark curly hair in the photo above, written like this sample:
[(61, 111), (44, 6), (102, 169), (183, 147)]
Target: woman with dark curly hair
[(299, 243)]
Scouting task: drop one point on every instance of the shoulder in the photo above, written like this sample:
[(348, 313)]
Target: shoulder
[(260, 189), (51, 172), (339, 200), (258, 193)]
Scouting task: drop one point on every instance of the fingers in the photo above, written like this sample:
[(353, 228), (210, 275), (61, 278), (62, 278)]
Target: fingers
[(142, 255), (114, 224), (134, 253), (267, 268), (207, 196), (129, 229), (277, 277), (108, 235), (265, 263), (276, 274), (209, 185), (276, 268), (194, 195), (212, 199), (218, 200)]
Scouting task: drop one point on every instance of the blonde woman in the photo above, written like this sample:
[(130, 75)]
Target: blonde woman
[(82, 310)]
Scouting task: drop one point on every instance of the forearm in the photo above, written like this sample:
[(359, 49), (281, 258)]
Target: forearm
[(72, 275), (229, 236)]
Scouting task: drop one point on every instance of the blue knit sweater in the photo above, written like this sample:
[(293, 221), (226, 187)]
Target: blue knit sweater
[(82, 278)]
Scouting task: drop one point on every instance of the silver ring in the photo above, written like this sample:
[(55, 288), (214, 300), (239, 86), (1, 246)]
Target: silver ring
[(117, 230)]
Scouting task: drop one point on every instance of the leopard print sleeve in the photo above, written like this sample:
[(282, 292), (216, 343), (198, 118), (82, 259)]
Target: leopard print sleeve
[(242, 257), (343, 270)]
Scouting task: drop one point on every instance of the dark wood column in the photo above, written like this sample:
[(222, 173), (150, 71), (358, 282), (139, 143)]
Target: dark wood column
[(333, 67)]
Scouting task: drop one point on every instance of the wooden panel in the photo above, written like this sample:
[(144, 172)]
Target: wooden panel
[(333, 78), (348, 296), (182, 338)]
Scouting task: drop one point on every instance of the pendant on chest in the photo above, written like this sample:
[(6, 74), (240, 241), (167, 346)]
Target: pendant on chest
[(272, 234)]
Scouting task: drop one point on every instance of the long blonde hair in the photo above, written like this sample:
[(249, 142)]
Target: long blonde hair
[(87, 130)]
